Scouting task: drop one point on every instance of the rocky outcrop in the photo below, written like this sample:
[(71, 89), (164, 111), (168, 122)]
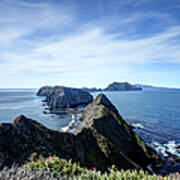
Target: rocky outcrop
[(91, 89), (121, 86), (103, 139), (64, 97), (114, 137), (43, 91)]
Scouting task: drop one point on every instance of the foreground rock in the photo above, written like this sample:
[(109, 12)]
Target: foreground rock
[(16, 173), (103, 139), (64, 97), (123, 86)]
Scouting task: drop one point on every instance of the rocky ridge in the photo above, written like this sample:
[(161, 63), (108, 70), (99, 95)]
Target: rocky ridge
[(103, 139)]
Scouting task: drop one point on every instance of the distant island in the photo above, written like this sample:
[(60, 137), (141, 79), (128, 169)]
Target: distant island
[(122, 86), (115, 86), (155, 87), (64, 97)]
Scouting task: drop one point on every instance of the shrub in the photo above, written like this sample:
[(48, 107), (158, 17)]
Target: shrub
[(73, 171)]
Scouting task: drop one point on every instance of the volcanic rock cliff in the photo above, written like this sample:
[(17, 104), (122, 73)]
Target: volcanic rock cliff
[(64, 97), (103, 139)]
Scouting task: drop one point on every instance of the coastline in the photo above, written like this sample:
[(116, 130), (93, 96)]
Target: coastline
[(75, 122), (169, 151)]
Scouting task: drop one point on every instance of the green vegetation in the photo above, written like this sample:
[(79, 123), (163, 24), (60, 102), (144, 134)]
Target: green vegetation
[(70, 170)]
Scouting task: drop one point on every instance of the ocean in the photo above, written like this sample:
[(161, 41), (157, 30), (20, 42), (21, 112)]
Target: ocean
[(14, 102), (155, 112)]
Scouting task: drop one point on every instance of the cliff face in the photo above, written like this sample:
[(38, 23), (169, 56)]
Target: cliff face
[(103, 139), (114, 137), (43, 91), (123, 86), (115, 86), (64, 97)]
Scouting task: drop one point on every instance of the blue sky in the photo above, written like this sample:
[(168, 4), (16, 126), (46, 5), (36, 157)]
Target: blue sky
[(89, 43)]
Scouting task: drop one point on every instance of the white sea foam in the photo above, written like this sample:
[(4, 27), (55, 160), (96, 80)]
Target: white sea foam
[(73, 125), (64, 129), (168, 148), (138, 125)]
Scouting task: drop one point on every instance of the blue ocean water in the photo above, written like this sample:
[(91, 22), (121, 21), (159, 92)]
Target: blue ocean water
[(156, 110), (14, 102)]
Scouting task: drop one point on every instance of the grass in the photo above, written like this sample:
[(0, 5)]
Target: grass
[(70, 170)]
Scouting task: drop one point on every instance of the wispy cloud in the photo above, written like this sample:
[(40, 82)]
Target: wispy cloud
[(26, 3), (134, 3), (94, 47)]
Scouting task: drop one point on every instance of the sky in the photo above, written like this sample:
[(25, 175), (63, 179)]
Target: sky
[(89, 42)]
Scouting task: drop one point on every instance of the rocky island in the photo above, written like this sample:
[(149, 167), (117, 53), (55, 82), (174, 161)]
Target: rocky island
[(115, 86), (122, 86), (64, 97)]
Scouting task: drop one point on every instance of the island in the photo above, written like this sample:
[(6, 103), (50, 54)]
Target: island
[(115, 86), (122, 86), (64, 97)]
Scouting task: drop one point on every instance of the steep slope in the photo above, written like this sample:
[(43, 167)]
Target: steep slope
[(103, 139), (114, 137)]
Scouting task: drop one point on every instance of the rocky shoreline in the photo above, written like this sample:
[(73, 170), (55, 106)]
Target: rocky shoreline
[(103, 139), (97, 136)]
